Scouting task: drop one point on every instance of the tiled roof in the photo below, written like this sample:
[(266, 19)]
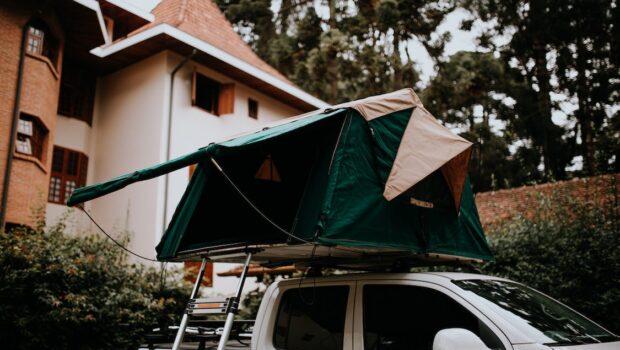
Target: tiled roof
[(204, 20)]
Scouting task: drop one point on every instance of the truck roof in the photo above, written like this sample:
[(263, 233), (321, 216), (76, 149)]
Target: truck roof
[(435, 277)]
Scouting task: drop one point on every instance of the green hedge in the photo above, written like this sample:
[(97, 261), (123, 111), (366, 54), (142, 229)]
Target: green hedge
[(78, 292), (568, 248)]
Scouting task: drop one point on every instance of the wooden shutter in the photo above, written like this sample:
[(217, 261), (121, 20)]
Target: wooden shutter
[(194, 77), (226, 102)]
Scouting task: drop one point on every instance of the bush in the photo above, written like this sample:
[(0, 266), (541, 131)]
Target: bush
[(567, 248), (78, 292)]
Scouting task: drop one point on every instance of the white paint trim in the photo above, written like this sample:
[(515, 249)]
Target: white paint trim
[(104, 51), (94, 5), (133, 9)]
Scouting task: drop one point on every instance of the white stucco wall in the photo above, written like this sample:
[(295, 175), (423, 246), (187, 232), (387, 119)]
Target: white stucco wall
[(127, 124)]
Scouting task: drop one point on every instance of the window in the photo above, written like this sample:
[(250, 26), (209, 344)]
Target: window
[(212, 96), (69, 170), (311, 318), (422, 313), (41, 42), (535, 314), (77, 93), (31, 135), (252, 108)]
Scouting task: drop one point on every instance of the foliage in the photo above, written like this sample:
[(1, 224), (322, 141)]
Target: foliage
[(556, 48), (359, 49), (77, 292), (568, 249)]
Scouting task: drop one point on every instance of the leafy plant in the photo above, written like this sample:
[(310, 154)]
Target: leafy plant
[(78, 292), (568, 248)]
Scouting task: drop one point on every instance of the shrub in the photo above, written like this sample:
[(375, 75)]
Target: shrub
[(568, 248), (78, 292)]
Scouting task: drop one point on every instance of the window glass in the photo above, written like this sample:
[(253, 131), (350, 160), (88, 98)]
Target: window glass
[(69, 170), (406, 317), (312, 318), (536, 315), (207, 93), (30, 136), (252, 108), (77, 92)]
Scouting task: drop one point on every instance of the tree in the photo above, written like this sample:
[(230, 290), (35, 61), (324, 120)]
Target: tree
[(360, 49), (558, 48), (468, 93)]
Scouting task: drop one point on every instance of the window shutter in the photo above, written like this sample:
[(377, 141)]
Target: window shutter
[(194, 77), (83, 170), (226, 103)]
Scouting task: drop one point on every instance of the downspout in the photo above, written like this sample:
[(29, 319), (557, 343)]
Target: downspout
[(11, 146), (169, 136)]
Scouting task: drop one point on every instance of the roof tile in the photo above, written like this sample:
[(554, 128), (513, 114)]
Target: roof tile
[(204, 20)]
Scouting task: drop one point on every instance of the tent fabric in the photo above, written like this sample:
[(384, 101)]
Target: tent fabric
[(375, 175), (419, 156)]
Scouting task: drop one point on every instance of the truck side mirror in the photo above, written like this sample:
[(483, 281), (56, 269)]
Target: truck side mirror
[(457, 338)]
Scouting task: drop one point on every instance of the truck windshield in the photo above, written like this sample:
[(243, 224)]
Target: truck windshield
[(536, 315)]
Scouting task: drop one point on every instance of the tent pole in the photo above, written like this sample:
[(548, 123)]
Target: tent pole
[(233, 305), (181, 332)]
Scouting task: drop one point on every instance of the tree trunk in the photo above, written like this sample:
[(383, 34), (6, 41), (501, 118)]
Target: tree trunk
[(543, 78), (332, 13), (583, 114)]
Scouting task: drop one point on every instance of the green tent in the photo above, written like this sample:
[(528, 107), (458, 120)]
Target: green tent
[(374, 181)]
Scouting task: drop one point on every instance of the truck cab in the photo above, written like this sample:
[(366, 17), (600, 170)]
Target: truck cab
[(438, 311)]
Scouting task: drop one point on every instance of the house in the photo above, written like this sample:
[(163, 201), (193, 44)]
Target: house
[(90, 90)]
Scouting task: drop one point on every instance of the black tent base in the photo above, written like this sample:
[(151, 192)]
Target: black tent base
[(306, 255)]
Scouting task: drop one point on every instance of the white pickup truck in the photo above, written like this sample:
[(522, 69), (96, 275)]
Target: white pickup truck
[(434, 311)]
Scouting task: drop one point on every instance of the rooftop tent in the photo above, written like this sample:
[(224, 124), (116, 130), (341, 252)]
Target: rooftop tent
[(372, 180)]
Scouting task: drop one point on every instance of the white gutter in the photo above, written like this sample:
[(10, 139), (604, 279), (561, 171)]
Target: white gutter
[(104, 51), (94, 5), (133, 9)]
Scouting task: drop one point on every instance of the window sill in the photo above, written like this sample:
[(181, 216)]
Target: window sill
[(32, 159), (47, 61)]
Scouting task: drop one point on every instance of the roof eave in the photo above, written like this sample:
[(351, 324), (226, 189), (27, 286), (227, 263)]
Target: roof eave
[(183, 37)]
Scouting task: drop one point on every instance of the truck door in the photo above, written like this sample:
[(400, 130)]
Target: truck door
[(309, 317), (399, 315)]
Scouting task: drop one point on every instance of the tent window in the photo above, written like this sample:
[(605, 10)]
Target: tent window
[(69, 169), (212, 96), (252, 108)]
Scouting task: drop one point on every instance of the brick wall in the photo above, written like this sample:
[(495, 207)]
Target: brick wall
[(497, 206), (39, 97)]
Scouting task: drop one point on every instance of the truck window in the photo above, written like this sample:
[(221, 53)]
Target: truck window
[(311, 318), (407, 317)]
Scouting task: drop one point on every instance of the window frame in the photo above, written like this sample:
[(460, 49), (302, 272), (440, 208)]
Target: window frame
[(359, 307), (49, 45), (273, 298), (37, 140), (79, 178), (77, 86), (221, 104)]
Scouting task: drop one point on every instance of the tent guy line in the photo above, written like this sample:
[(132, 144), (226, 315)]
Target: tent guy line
[(115, 241)]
